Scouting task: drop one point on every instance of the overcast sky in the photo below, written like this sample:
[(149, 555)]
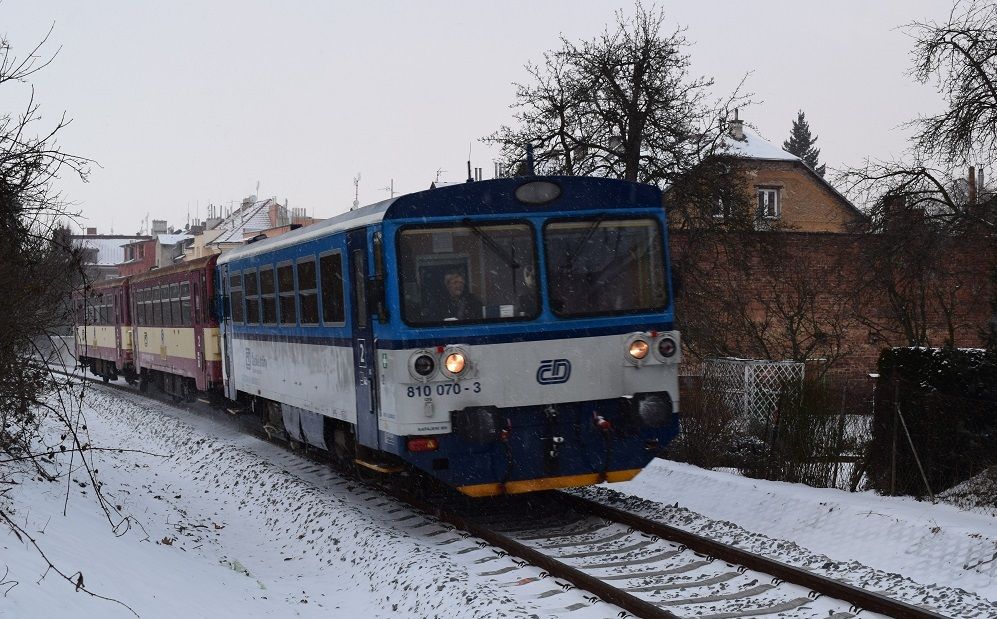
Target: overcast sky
[(185, 103)]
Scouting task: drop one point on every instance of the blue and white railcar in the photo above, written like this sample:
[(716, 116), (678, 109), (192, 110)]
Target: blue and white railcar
[(503, 336)]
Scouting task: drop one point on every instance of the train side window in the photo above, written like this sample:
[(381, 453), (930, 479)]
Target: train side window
[(235, 296), (331, 267), (175, 319), (140, 307), (157, 309), (268, 296), (185, 303), (163, 301), (308, 291), (285, 292), (251, 282)]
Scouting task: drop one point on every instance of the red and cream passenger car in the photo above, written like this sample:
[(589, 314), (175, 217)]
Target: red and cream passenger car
[(103, 332), (176, 335)]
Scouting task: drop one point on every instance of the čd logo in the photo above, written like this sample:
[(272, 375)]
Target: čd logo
[(554, 371)]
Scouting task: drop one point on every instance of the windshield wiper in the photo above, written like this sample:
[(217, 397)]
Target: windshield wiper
[(509, 259), (575, 251)]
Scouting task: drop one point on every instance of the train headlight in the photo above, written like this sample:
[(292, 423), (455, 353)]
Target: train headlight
[(455, 363), (667, 347), (638, 349), (422, 365)]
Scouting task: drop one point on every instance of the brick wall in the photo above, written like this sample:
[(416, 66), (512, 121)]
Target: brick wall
[(745, 292)]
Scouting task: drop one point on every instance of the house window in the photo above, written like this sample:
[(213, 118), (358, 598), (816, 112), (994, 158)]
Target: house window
[(768, 202)]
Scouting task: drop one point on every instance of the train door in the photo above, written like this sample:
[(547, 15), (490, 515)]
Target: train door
[(119, 324), (363, 343), (222, 285)]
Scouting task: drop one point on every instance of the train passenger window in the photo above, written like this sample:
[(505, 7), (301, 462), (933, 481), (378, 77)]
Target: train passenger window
[(251, 282), (285, 291), (605, 266), (235, 296), (474, 272), (157, 309), (138, 297), (175, 319), (185, 304), (163, 301), (308, 291), (331, 271), (268, 298)]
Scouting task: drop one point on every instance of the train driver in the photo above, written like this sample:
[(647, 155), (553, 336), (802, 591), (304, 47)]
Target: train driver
[(460, 304)]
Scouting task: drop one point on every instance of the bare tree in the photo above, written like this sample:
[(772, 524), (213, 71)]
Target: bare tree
[(38, 271), (622, 105), (960, 56)]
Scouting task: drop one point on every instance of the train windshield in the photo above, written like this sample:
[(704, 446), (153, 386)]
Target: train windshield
[(468, 273), (605, 266)]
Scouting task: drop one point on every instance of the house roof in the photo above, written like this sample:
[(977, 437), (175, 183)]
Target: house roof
[(754, 147), (250, 218), (172, 239), (110, 247)]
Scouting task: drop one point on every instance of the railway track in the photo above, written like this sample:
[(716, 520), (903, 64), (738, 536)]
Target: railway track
[(644, 567)]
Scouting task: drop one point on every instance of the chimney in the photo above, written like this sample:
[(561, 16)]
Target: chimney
[(972, 185), (735, 128)]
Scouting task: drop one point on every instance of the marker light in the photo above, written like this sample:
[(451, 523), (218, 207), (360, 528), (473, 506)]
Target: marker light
[(424, 365), (537, 192), (666, 347), (423, 444), (638, 349), (455, 363)]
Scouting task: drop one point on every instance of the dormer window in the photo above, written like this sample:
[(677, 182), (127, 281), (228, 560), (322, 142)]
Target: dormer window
[(768, 202)]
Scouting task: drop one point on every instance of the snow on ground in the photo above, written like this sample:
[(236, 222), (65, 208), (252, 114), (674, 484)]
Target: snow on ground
[(861, 536), (224, 525)]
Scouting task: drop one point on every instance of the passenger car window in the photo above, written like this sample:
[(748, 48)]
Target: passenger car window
[(268, 299), (331, 267), (307, 291), (252, 287), (285, 290), (235, 297)]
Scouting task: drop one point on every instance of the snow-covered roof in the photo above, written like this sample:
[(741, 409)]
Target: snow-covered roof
[(754, 147), (364, 216), (110, 248), (250, 218), (172, 239)]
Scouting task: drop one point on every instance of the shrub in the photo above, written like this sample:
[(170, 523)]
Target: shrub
[(947, 398)]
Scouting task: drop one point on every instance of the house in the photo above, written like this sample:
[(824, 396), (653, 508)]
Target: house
[(786, 190), (102, 253), (161, 250), (253, 217)]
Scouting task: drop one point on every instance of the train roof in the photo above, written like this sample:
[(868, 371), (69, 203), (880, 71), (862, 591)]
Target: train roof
[(491, 197), (180, 267)]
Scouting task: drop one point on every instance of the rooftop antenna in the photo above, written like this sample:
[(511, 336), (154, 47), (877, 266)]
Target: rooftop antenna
[(438, 172), (390, 188), (356, 191), (470, 178)]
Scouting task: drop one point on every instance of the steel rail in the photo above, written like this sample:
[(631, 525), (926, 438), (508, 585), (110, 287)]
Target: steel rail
[(858, 597), (558, 569)]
